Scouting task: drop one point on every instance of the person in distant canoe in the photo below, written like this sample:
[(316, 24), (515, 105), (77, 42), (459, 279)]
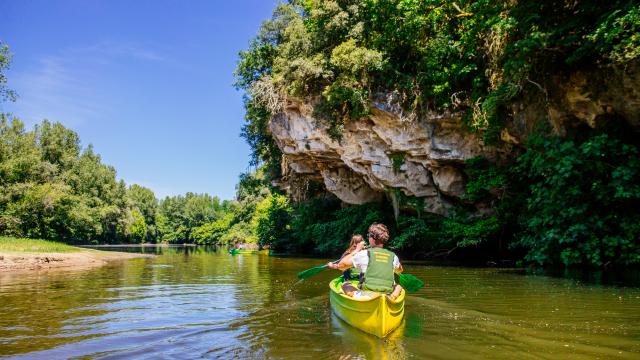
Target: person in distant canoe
[(352, 273), (378, 264)]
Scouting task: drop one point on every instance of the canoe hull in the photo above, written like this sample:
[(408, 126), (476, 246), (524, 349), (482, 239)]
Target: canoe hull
[(250, 252), (377, 316)]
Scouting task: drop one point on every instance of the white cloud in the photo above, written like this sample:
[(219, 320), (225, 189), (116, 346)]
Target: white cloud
[(118, 49), (66, 86)]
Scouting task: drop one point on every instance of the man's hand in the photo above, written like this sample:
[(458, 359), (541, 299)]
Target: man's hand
[(399, 270), (360, 246)]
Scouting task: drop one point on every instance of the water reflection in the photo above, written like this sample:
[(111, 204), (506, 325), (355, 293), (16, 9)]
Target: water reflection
[(201, 302), (615, 277), (359, 345)]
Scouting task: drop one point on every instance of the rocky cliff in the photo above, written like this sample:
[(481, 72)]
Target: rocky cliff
[(424, 157)]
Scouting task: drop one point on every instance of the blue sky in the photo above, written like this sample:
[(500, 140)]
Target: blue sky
[(148, 83)]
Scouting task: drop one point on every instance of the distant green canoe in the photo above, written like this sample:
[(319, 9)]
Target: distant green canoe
[(250, 252)]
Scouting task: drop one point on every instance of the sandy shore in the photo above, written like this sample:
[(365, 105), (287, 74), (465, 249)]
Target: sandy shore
[(15, 262)]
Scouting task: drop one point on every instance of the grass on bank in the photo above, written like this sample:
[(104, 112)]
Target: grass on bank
[(22, 245)]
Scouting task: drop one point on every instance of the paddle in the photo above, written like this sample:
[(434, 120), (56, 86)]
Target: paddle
[(410, 282), (407, 281), (305, 274)]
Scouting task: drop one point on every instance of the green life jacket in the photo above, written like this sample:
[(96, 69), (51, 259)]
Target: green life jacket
[(380, 272), (351, 274), (355, 272)]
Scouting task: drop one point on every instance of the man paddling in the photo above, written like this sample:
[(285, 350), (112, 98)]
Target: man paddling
[(376, 263)]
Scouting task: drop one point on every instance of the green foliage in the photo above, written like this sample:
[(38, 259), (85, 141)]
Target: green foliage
[(349, 58), (240, 232), (52, 190), (255, 64), (584, 193), (397, 160), (415, 234), (467, 230), (211, 233), (304, 216), (252, 218), (271, 219), (330, 233), (5, 61), (473, 56), (180, 215), (144, 201), (617, 36), (22, 245), (485, 179), (477, 56), (137, 228)]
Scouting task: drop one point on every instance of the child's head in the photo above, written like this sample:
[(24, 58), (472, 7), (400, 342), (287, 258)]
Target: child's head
[(355, 240)]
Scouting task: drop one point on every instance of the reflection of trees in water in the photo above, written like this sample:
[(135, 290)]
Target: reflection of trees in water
[(57, 308), (51, 307), (611, 277)]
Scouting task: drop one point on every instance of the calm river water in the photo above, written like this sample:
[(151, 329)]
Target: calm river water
[(194, 303)]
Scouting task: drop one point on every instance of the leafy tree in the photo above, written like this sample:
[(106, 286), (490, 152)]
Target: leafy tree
[(5, 61), (144, 201), (137, 228), (271, 219), (584, 193), (212, 232), (53, 189), (59, 145), (240, 232), (181, 214)]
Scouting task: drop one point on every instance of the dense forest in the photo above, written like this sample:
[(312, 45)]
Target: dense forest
[(51, 187), (560, 199)]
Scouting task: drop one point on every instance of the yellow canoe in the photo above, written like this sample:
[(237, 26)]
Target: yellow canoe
[(378, 315)]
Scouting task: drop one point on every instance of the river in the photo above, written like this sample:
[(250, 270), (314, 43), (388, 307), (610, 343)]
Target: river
[(193, 302)]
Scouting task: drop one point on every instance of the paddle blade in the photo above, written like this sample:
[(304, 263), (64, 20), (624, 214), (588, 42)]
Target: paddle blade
[(310, 272), (410, 282)]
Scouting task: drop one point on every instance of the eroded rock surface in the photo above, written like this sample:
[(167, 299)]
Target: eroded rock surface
[(421, 158), (424, 157)]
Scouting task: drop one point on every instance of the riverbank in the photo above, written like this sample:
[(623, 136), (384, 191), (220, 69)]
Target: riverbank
[(33, 255)]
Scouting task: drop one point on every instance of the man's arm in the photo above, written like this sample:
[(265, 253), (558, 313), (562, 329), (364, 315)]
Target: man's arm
[(399, 270)]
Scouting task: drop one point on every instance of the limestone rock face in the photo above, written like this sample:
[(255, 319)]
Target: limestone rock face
[(449, 180), (581, 97), (424, 157), (421, 158)]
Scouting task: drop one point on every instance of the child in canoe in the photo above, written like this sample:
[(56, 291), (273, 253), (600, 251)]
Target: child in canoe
[(378, 265), (352, 273)]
